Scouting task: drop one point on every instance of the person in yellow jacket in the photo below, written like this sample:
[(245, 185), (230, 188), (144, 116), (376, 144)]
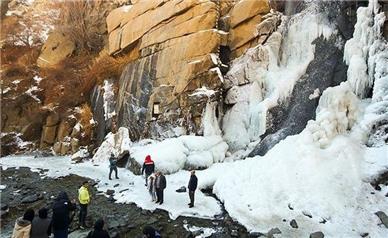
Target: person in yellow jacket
[(84, 199)]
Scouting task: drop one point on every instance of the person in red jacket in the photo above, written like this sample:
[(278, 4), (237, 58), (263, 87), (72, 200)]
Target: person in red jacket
[(148, 168)]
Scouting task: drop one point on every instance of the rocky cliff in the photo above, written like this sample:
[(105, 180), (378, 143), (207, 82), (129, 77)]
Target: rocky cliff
[(156, 66)]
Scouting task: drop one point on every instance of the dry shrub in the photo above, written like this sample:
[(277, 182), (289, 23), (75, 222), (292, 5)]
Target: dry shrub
[(105, 67), (81, 21)]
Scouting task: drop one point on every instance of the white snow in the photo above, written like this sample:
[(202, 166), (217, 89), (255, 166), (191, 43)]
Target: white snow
[(30, 93), (132, 187), (37, 79), (203, 91), (204, 231), (6, 90)]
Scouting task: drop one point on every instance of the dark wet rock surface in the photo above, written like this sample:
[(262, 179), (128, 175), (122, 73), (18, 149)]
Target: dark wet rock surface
[(122, 220), (327, 69)]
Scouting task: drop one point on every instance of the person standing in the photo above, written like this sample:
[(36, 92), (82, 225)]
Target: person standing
[(61, 215), (151, 187), (148, 168), (112, 166), (160, 184), (193, 182), (84, 199), (22, 226), (98, 231), (41, 225)]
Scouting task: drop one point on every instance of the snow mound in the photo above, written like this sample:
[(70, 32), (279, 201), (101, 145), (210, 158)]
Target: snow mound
[(190, 152)]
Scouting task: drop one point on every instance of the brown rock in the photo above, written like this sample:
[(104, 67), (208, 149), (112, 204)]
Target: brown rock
[(57, 47), (243, 33), (48, 134), (74, 145), (201, 17), (57, 147), (65, 148), (65, 129), (246, 9), (52, 119)]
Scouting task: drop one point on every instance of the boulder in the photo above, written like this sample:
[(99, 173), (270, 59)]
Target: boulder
[(293, 224), (57, 147), (57, 47), (110, 192), (383, 218), (317, 234), (181, 189), (30, 199)]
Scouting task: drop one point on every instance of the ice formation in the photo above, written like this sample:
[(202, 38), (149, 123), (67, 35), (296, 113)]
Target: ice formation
[(268, 75)]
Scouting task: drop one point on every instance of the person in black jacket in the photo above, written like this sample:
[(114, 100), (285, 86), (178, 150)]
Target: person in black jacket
[(61, 215), (160, 185), (148, 168), (193, 182), (112, 166), (41, 225), (98, 231)]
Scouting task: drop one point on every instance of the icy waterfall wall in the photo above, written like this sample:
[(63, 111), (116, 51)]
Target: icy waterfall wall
[(273, 90)]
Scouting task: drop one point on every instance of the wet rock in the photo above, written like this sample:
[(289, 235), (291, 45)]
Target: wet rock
[(181, 189), (113, 224), (365, 234), (4, 207), (3, 213), (307, 214), (110, 192), (30, 199), (294, 224), (317, 234), (273, 231), (383, 217), (255, 234), (327, 69), (234, 233)]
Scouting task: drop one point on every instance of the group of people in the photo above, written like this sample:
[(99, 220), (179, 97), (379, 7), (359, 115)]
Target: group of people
[(31, 226), (156, 182), (63, 210)]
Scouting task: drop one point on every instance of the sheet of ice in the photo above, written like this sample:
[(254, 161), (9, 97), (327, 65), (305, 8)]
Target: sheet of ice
[(132, 187), (272, 73), (109, 101)]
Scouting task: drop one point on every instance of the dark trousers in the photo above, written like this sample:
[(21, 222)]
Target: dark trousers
[(83, 211), (60, 233), (159, 195), (111, 170), (191, 196)]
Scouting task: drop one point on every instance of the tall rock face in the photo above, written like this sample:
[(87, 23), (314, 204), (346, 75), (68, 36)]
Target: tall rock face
[(178, 47)]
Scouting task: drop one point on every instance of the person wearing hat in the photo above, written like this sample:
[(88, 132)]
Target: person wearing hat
[(148, 168)]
